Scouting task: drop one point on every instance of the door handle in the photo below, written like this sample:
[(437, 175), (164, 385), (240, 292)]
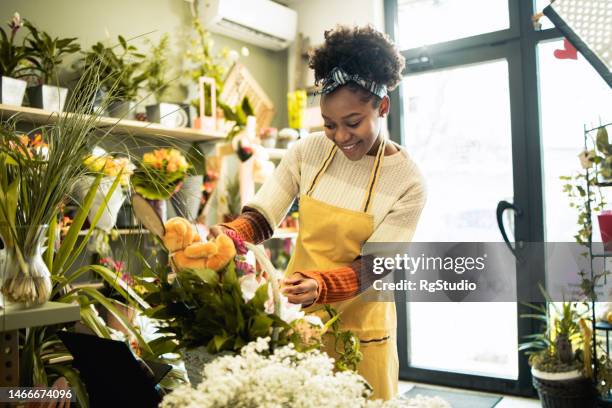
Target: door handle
[(501, 207)]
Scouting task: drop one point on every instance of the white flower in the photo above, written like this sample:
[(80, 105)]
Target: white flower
[(245, 51), (256, 378), (249, 285), (233, 55), (313, 320)]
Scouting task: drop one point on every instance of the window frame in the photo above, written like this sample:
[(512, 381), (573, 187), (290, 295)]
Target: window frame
[(518, 45)]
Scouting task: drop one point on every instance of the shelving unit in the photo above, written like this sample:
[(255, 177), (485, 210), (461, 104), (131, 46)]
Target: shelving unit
[(130, 231), (16, 317), (120, 126), (596, 326)]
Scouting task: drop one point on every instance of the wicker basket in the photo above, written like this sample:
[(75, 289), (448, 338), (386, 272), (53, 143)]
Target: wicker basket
[(575, 393)]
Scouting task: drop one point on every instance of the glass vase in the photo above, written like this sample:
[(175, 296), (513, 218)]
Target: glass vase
[(26, 280)]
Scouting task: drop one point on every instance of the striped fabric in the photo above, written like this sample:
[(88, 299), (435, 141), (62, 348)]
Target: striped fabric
[(338, 77)]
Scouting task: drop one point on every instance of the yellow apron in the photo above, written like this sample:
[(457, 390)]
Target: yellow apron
[(330, 237)]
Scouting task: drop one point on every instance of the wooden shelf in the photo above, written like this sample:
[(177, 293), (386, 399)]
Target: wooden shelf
[(15, 317), (132, 231), (120, 126), (276, 154)]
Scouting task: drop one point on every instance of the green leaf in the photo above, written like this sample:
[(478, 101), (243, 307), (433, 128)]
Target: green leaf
[(207, 275), (74, 379), (73, 233), (260, 325)]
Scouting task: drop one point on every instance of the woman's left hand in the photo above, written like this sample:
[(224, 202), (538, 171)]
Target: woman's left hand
[(300, 290)]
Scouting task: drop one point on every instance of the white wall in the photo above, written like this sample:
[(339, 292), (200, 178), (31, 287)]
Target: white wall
[(316, 16)]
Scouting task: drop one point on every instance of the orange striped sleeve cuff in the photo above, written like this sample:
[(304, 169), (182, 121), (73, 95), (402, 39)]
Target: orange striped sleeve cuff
[(251, 225), (336, 284)]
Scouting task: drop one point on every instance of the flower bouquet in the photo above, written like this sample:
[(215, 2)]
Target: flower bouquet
[(159, 176), (213, 301)]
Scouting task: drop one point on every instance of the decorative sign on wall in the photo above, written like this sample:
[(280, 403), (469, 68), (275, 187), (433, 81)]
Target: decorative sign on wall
[(587, 24), (240, 83)]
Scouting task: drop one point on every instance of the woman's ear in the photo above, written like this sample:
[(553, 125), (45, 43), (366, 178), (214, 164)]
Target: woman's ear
[(385, 104)]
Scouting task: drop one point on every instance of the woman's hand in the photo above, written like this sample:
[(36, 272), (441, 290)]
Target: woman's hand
[(216, 230), (300, 290)]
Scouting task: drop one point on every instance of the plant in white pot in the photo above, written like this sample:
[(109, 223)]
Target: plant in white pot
[(121, 72), (560, 356), (157, 69), (46, 55), (13, 64)]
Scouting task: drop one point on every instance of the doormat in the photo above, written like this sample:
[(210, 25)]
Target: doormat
[(456, 399)]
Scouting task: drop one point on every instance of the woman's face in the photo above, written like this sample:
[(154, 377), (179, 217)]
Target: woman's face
[(351, 123)]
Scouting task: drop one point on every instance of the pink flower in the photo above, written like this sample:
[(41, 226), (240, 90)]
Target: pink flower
[(238, 241), (245, 267)]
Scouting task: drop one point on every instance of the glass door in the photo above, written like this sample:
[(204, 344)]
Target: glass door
[(458, 129)]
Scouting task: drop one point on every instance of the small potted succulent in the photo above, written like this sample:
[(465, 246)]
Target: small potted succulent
[(13, 64), (46, 55), (560, 357), (121, 74), (157, 69)]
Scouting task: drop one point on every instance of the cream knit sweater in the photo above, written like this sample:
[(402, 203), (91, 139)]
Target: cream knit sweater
[(398, 198)]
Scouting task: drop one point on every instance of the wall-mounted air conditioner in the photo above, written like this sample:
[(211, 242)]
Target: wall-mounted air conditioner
[(259, 22)]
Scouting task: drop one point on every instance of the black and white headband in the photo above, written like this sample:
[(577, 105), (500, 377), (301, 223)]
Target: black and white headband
[(338, 77)]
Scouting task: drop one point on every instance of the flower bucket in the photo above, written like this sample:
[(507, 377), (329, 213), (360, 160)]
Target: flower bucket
[(108, 219), (47, 97), (186, 201), (605, 228)]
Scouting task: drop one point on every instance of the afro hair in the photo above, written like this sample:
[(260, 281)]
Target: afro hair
[(364, 51)]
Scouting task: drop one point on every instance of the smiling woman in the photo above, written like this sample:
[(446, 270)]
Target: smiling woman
[(371, 192)]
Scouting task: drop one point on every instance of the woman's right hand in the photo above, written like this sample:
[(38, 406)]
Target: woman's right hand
[(216, 230)]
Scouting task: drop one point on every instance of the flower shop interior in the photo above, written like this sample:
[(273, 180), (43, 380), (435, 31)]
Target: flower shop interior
[(138, 268)]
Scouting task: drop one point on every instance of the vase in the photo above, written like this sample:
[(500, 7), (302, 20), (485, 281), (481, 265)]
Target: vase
[(26, 281), (122, 109), (605, 228), (48, 97), (186, 201), (12, 90), (108, 219)]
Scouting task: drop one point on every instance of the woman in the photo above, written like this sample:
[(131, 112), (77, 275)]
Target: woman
[(354, 187)]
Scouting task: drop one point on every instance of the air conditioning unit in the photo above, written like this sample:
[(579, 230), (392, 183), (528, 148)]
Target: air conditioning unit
[(259, 22)]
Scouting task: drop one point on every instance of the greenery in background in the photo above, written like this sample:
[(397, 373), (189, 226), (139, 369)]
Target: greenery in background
[(120, 71), (13, 57), (585, 195), (47, 53), (156, 68), (238, 115), (204, 61)]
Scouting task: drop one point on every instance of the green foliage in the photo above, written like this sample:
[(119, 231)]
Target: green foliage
[(121, 71), (13, 57), (238, 115), (204, 308), (47, 53), (346, 343), (156, 68)]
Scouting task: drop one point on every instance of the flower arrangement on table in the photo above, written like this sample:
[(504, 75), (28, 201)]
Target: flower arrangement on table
[(284, 377), (213, 301), (160, 173)]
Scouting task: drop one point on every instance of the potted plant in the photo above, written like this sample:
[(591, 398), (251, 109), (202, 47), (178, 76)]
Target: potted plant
[(121, 75), (158, 176), (156, 68), (560, 356), (13, 64), (46, 55)]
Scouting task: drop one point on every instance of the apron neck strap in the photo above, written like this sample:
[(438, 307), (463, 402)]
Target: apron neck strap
[(373, 175)]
